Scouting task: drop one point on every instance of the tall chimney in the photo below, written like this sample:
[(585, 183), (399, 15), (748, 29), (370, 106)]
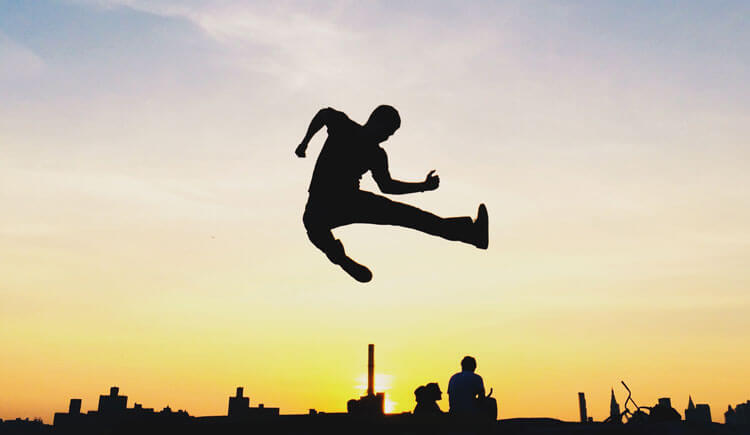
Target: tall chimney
[(370, 369)]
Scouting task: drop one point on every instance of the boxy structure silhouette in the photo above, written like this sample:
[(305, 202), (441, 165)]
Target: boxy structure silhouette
[(739, 416), (372, 404), (364, 415), (239, 408), (700, 413)]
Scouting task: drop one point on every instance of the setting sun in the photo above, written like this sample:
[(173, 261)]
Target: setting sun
[(383, 383)]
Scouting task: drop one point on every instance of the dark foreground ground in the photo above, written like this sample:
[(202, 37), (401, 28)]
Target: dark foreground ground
[(343, 424)]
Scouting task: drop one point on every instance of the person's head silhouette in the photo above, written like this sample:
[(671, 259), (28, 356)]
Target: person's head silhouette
[(468, 364), (428, 393), (383, 122)]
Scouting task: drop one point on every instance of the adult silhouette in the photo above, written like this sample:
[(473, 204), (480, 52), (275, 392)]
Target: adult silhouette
[(335, 198), (466, 390)]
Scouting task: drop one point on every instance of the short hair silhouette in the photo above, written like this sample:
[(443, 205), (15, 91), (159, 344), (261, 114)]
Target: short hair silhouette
[(385, 116), (468, 364)]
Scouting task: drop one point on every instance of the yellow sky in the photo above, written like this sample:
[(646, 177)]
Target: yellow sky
[(151, 234)]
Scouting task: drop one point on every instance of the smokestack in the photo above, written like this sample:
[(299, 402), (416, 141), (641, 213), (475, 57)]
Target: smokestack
[(370, 369)]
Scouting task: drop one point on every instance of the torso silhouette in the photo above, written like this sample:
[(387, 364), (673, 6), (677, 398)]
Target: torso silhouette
[(463, 389), (346, 155)]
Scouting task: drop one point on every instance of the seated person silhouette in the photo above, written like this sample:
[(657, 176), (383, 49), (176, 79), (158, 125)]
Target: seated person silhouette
[(427, 397), (335, 198), (466, 390)]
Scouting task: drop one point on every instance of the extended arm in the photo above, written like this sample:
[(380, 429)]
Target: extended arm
[(387, 184), (319, 120)]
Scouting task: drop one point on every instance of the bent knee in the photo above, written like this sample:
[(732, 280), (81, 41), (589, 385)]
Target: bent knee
[(316, 229), (313, 224)]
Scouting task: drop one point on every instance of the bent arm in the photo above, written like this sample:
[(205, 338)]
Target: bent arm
[(319, 120), (387, 184), (396, 187)]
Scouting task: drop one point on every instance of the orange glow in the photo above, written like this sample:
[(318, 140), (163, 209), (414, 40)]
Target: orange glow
[(383, 383)]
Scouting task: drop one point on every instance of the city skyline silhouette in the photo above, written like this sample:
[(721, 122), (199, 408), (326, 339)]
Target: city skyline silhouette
[(114, 415)]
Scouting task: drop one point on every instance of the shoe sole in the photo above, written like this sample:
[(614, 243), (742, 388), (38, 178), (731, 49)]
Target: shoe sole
[(483, 219)]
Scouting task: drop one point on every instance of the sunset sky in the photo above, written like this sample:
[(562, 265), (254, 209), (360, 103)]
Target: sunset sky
[(151, 229)]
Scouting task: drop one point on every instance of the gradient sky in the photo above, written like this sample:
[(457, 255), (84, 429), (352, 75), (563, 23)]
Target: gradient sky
[(151, 234)]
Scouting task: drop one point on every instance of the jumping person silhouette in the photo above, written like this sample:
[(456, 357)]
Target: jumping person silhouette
[(336, 200)]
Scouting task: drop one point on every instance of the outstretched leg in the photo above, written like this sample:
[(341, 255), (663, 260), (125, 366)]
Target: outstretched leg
[(319, 232), (375, 209), (365, 207)]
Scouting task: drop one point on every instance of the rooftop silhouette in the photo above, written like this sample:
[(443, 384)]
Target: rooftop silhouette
[(113, 416)]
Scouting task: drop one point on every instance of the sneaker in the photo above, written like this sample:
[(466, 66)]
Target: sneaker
[(356, 270), (481, 228)]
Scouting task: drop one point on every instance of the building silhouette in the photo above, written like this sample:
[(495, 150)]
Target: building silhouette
[(371, 404), (700, 413), (112, 412), (75, 407), (740, 415), (114, 417), (582, 411), (365, 415), (239, 407), (238, 404), (111, 404), (24, 426), (663, 411), (614, 409)]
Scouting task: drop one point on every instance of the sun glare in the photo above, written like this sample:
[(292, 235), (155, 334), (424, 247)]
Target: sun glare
[(383, 383)]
